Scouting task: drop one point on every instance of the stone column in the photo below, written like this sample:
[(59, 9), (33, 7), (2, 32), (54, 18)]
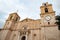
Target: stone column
[(42, 33)]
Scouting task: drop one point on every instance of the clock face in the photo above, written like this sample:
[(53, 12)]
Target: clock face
[(47, 18)]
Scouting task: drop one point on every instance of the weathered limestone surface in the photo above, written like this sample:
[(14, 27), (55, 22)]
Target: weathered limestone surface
[(30, 29)]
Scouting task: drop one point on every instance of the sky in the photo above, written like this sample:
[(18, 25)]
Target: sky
[(26, 8)]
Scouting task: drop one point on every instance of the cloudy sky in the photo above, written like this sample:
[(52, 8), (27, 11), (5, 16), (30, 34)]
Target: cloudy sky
[(26, 8)]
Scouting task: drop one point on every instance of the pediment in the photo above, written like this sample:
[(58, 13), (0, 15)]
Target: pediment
[(27, 20)]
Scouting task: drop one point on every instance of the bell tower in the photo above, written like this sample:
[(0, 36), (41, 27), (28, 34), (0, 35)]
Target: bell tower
[(47, 14), (12, 19)]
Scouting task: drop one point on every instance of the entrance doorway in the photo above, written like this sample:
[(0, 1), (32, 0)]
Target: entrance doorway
[(23, 38)]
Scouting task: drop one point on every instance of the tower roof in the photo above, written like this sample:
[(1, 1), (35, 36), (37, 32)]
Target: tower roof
[(15, 13), (46, 4)]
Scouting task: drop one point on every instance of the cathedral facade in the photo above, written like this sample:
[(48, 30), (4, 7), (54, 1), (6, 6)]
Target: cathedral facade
[(30, 29)]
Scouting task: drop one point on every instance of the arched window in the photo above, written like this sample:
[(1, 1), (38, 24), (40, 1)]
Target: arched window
[(45, 4), (23, 38), (11, 17), (46, 9), (16, 19)]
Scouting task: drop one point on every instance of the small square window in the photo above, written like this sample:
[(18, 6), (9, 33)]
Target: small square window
[(48, 22)]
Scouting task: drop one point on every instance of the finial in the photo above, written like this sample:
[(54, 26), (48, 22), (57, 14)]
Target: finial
[(17, 10)]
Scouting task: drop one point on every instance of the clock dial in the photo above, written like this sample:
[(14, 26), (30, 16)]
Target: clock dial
[(47, 18)]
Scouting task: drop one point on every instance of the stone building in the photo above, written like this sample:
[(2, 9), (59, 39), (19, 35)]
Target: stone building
[(30, 29)]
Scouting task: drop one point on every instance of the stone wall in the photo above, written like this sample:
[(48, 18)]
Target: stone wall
[(4, 34), (50, 33)]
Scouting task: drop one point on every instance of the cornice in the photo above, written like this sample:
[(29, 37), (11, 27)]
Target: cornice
[(48, 13), (49, 25), (46, 6)]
